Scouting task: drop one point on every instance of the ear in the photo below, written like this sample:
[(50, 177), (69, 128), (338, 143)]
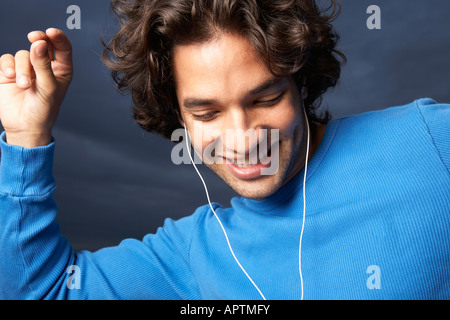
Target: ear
[(304, 92), (304, 88)]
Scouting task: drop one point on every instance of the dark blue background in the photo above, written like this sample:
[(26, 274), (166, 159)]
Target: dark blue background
[(115, 181)]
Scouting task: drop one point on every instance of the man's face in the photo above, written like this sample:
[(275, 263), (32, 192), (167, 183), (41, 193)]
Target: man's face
[(222, 87)]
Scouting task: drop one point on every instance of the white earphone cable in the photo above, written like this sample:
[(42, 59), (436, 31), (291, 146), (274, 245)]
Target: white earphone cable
[(223, 229), (304, 205)]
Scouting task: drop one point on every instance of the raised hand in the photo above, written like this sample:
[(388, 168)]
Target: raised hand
[(33, 86)]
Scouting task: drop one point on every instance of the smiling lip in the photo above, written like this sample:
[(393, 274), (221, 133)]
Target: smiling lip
[(246, 173)]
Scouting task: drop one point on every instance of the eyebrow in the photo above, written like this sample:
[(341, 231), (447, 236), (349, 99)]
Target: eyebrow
[(268, 84), (190, 103)]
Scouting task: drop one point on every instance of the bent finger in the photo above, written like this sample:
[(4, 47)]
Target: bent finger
[(42, 65), (40, 35), (7, 66), (23, 69), (61, 44)]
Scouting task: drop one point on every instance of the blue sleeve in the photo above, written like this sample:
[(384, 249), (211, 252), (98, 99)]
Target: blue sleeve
[(37, 262), (437, 119)]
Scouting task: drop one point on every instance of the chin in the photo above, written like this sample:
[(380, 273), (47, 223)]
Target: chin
[(256, 189)]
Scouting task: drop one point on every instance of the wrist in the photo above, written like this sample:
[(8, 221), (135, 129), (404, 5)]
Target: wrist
[(29, 140)]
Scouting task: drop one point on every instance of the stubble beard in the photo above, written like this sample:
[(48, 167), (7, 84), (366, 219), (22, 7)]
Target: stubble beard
[(290, 163)]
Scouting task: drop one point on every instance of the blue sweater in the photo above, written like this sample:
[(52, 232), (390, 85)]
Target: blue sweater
[(377, 226)]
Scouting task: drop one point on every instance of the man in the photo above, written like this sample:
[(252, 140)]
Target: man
[(370, 191)]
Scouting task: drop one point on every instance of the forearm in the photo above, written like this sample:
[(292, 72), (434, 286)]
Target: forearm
[(34, 255)]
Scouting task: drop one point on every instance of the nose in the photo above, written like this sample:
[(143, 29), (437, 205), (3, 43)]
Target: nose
[(242, 133)]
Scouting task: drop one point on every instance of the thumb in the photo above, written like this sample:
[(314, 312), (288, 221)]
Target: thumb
[(40, 60)]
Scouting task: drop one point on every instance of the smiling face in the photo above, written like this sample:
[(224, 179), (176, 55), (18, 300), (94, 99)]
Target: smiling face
[(223, 86)]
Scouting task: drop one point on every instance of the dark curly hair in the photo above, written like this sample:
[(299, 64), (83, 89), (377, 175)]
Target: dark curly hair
[(293, 37)]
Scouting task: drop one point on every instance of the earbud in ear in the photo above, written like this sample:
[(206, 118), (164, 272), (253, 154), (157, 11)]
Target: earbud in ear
[(304, 92)]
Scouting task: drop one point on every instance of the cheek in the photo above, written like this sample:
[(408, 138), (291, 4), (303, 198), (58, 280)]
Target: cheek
[(205, 139), (288, 121)]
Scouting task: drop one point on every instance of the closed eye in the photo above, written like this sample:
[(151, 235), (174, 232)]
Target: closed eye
[(270, 102), (265, 103), (205, 117)]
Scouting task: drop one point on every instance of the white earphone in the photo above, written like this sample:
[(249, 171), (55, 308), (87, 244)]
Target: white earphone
[(304, 200), (303, 217)]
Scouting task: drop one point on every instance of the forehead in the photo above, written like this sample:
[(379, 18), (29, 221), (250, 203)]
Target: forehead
[(226, 65)]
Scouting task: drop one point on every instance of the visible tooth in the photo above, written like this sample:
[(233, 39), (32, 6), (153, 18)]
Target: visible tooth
[(246, 164)]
